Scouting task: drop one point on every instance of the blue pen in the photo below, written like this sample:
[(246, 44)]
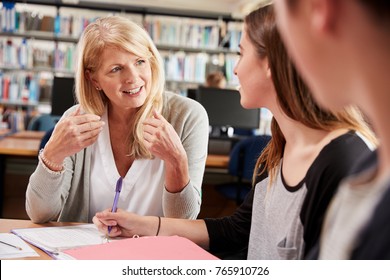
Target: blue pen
[(117, 192)]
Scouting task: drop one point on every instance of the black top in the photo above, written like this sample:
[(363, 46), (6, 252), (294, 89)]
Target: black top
[(229, 236)]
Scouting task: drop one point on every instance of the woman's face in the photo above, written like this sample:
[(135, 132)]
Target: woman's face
[(124, 77), (256, 85)]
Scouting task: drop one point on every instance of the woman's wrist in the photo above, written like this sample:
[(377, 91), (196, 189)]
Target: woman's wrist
[(177, 174), (52, 165)]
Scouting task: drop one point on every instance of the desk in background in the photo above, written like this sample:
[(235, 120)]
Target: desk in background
[(19, 146), (28, 134), (6, 225), (217, 161), (24, 144)]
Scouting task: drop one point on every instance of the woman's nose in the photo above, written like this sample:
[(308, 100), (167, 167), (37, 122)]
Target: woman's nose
[(130, 75), (235, 69)]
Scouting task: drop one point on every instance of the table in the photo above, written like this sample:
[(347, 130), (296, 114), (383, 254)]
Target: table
[(15, 146), (28, 134), (217, 161), (26, 143), (6, 225)]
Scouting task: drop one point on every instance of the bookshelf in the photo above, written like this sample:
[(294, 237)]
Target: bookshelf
[(38, 40)]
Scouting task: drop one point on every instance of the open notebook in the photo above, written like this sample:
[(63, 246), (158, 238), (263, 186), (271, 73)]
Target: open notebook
[(53, 240), (86, 242)]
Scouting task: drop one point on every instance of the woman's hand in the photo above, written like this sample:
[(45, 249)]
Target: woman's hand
[(72, 134), (125, 223), (162, 141)]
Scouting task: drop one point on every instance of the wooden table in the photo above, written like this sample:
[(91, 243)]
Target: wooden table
[(6, 225), (217, 161), (28, 134), (15, 146), (23, 143), (26, 143)]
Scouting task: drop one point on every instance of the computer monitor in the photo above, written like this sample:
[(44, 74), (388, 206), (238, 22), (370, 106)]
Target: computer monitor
[(62, 95), (224, 110), (192, 93)]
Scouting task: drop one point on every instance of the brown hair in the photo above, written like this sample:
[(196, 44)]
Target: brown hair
[(293, 95)]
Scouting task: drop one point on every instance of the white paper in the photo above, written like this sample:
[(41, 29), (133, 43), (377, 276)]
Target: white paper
[(9, 252), (55, 239)]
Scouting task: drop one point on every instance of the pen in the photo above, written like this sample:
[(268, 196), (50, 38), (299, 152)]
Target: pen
[(16, 247), (117, 192)]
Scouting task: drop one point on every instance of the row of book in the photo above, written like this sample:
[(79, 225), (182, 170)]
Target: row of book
[(27, 54), (187, 32), (164, 30), (14, 119), (23, 18), (19, 88), (180, 66)]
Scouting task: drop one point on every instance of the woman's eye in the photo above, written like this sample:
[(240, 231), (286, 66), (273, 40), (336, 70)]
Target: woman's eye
[(115, 69), (140, 62)]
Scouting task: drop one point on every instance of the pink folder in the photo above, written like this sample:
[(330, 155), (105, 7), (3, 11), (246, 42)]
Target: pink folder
[(143, 248)]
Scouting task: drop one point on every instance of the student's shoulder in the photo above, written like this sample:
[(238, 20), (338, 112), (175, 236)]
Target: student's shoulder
[(349, 145), (342, 153)]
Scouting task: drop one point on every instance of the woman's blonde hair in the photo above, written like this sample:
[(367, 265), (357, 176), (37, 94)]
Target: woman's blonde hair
[(122, 33), (294, 97)]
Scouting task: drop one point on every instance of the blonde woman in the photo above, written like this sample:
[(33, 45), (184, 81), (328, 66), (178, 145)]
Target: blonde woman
[(126, 126)]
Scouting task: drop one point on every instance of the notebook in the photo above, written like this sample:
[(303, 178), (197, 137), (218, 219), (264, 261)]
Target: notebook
[(53, 240), (143, 248), (11, 246)]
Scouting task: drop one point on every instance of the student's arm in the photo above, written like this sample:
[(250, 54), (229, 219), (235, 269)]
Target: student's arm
[(128, 224), (230, 234)]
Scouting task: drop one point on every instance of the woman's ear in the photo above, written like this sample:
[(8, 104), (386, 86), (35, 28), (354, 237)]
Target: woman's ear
[(88, 76), (269, 75), (324, 15)]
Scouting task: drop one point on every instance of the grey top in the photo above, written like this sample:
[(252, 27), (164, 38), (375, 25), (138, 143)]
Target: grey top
[(64, 196), (277, 230)]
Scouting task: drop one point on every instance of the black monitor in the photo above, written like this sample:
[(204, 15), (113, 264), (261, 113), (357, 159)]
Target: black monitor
[(62, 95), (224, 110), (192, 92)]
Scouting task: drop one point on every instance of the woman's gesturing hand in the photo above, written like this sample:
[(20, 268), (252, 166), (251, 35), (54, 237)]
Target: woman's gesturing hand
[(72, 134)]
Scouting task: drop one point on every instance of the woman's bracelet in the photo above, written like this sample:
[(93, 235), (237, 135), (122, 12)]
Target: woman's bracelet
[(52, 166), (159, 225)]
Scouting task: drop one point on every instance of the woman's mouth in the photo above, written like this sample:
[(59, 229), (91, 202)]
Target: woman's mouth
[(133, 91)]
